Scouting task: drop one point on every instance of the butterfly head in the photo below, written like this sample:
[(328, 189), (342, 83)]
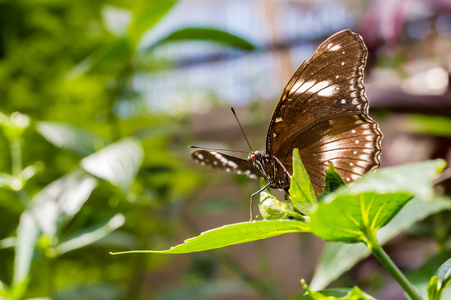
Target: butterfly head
[(255, 156)]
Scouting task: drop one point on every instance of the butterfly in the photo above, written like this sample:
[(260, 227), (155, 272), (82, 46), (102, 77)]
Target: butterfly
[(323, 111)]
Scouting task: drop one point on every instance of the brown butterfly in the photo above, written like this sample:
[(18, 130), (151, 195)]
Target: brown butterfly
[(323, 111)]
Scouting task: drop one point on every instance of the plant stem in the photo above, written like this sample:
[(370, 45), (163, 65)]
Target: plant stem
[(16, 157), (386, 261)]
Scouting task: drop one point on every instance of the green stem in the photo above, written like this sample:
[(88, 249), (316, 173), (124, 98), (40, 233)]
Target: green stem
[(386, 261), (16, 157)]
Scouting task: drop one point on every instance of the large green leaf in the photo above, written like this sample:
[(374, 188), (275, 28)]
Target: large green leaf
[(207, 34), (302, 193), (233, 234), (337, 258), (72, 138), (349, 218), (117, 163), (355, 212)]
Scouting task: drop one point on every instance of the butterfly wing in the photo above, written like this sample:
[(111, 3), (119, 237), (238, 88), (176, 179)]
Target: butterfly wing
[(323, 111), (226, 162)]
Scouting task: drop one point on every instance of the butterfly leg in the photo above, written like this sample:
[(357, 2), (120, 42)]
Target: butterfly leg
[(252, 199)]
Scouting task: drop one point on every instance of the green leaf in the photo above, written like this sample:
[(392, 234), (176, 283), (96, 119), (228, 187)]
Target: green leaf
[(72, 138), (337, 258), (301, 190), (273, 209), (89, 235), (233, 234), (117, 163), (145, 18), (206, 34), (354, 213), (439, 281), (332, 182)]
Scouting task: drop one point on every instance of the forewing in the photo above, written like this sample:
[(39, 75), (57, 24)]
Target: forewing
[(225, 162), (328, 87)]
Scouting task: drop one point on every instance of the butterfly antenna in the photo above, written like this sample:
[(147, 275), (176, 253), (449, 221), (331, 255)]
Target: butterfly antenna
[(242, 131), (214, 149)]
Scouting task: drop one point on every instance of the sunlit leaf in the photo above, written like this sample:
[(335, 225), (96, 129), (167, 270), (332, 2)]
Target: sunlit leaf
[(233, 234), (72, 138), (27, 235), (90, 235), (207, 34), (337, 258), (145, 18), (58, 202), (117, 163), (301, 190)]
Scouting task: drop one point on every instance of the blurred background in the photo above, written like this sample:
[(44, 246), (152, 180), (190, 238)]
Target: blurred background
[(99, 101)]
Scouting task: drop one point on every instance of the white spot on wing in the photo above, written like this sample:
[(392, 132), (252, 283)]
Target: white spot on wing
[(355, 101), (232, 164), (279, 120), (319, 86), (302, 87), (342, 63), (335, 48), (343, 101), (327, 92)]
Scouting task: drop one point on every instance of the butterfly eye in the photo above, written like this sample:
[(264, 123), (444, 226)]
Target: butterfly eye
[(251, 157)]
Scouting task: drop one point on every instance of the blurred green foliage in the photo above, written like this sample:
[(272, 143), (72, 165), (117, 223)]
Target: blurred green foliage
[(76, 180)]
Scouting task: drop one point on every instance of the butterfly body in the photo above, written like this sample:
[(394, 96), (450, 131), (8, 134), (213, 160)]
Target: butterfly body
[(323, 111), (272, 169)]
